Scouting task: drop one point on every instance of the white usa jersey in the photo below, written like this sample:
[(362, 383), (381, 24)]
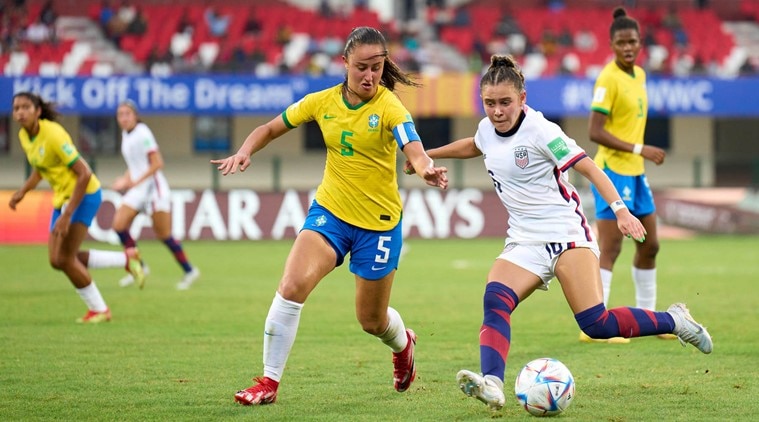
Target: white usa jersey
[(135, 147), (528, 166)]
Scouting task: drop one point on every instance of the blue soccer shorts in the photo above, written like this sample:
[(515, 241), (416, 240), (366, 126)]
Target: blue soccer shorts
[(84, 213), (633, 190), (374, 254)]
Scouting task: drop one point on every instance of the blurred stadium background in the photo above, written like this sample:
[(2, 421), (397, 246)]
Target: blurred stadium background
[(205, 73)]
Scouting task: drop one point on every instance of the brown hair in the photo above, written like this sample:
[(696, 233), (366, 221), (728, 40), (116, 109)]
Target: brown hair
[(391, 73), (48, 110), (503, 68)]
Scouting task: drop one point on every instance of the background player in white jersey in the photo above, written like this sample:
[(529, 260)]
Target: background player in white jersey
[(146, 191), (356, 210), (527, 157)]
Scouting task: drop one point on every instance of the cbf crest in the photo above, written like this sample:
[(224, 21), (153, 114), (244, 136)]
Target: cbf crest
[(374, 121), (521, 158)]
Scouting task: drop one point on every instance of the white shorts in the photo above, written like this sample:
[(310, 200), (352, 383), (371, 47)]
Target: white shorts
[(540, 258), (148, 197)]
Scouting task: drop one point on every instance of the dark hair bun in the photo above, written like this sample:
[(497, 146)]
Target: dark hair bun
[(619, 12)]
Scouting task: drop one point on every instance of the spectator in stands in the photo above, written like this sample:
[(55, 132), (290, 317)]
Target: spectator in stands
[(218, 24), (48, 16), (138, 25), (146, 190), (106, 14), (37, 32), (507, 25), (585, 40), (617, 124), (565, 39), (325, 9), (548, 42), (348, 216), (76, 198)]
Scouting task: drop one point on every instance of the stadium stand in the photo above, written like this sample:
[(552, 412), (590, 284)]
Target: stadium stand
[(94, 37)]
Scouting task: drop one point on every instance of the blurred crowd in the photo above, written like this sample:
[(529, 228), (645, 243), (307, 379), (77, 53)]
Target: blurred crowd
[(414, 36)]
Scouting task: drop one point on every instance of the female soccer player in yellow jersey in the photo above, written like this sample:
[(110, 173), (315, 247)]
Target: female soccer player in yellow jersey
[(617, 124), (356, 210), (76, 199)]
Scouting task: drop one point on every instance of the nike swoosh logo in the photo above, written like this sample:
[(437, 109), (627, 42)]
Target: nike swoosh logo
[(377, 268), (328, 116)]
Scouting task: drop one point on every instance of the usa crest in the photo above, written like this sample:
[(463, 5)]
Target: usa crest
[(521, 158)]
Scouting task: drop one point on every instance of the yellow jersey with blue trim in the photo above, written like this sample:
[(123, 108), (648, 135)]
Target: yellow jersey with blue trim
[(360, 184), (622, 98), (52, 153)]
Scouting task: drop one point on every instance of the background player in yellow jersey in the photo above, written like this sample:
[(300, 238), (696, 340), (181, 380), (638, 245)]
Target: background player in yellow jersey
[(76, 199), (356, 210), (617, 124)]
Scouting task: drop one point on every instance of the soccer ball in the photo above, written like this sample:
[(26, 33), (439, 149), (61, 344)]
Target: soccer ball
[(545, 387)]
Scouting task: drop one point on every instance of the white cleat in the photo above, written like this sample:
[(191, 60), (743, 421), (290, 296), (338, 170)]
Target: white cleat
[(128, 279), (688, 330), (188, 279), (487, 389)]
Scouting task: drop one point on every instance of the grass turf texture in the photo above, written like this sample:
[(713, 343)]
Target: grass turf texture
[(173, 355)]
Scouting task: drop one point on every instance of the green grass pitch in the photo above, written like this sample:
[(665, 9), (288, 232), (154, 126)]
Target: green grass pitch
[(181, 355)]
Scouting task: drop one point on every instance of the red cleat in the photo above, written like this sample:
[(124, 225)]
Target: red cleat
[(92, 317), (404, 369), (264, 392)]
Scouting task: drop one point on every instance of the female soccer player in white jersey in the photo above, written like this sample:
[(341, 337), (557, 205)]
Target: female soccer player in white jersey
[(527, 158), (357, 208), (147, 190), (617, 124), (76, 199)]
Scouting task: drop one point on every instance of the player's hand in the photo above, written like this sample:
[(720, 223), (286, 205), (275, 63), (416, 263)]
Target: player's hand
[(62, 225), (436, 176), (630, 226), (408, 168), (232, 163), (653, 153), (15, 199)]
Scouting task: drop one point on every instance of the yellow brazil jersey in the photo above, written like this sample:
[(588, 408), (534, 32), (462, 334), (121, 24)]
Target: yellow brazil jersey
[(52, 153), (623, 99), (360, 183)]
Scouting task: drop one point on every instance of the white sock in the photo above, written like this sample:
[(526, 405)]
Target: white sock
[(395, 335), (106, 259), (606, 283), (279, 335), (92, 298), (645, 288)]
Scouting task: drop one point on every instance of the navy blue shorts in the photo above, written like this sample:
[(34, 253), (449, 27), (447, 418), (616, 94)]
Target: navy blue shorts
[(374, 254)]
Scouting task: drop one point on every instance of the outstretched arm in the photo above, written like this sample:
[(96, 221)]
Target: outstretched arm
[(626, 222), (422, 164), (257, 140), (462, 148)]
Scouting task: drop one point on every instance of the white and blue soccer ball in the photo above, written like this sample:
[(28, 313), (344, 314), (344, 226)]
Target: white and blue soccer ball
[(545, 387)]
